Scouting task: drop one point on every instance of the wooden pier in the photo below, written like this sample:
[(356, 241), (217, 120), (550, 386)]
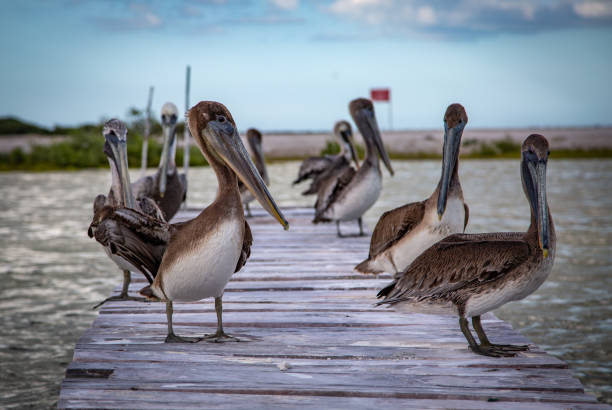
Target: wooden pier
[(310, 338)]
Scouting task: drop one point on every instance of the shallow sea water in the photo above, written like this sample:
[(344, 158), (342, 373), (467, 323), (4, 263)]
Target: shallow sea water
[(52, 273)]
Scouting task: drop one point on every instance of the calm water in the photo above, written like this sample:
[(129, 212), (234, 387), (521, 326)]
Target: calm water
[(52, 273)]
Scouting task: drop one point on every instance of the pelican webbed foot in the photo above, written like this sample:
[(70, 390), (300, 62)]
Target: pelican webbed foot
[(120, 297), (127, 278), (485, 347), (484, 340), (220, 336)]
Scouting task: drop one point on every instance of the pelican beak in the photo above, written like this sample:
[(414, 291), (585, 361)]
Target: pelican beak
[(351, 145), (534, 177), (372, 128), (169, 133), (116, 150), (225, 142), (450, 152)]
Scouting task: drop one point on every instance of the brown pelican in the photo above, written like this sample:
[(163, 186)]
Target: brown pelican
[(166, 186), (352, 193), (403, 233), (319, 168), (254, 140), (199, 256), (120, 195), (471, 274)]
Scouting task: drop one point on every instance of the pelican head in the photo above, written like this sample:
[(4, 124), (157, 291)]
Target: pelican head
[(534, 157), (214, 130), (169, 116), (343, 130), (362, 111), (115, 148), (455, 119)]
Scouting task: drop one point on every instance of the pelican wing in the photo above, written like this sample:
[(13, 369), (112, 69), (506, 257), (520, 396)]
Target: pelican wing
[(467, 215), (394, 224), (457, 262), (335, 168), (133, 236), (332, 188), (312, 167), (246, 247)]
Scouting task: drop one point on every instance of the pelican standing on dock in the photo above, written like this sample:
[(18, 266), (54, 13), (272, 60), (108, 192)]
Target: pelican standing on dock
[(166, 186), (120, 195), (254, 139), (405, 232), (201, 255), (352, 193), (320, 169), (471, 274)]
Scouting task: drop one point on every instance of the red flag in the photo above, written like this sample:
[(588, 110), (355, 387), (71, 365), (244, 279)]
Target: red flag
[(380, 94)]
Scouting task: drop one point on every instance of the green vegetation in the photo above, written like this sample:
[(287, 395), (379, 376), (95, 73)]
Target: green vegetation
[(83, 148), (14, 126), (333, 148)]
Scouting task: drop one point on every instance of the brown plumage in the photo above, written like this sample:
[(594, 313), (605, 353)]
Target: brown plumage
[(174, 196), (320, 169), (169, 192), (195, 259), (403, 233), (471, 274), (354, 192)]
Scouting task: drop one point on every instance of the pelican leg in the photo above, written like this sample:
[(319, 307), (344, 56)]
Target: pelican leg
[(220, 336), (248, 209), (338, 230), (484, 340), (360, 222), (481, 348), (127, 278), (172, 338)]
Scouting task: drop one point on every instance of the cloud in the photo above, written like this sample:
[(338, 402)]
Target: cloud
[(593, 9), (137, 16), (464, 19), (286, 4)]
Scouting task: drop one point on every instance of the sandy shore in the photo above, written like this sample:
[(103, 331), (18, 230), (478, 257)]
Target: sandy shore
[(430, 141), (295, 145)]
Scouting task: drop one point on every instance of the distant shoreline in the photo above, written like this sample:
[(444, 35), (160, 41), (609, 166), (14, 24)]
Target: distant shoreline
[(493, 143)]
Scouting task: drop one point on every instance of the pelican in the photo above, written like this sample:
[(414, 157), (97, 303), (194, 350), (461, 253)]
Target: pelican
[(403, 233), (166, 186), (352, 193), (254, 140), (319, 168), (471, 274), (199, 256), (120, 195)]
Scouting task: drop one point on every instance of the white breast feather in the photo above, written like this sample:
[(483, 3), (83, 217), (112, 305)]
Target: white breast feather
[(424, 235), (205, 270), (358, 198)]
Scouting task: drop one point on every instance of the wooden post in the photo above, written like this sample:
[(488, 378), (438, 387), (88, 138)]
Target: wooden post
[(147, 132), (186, 133)]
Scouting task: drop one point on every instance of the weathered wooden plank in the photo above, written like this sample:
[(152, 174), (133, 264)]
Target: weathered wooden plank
[(311, 337), (137, 399)]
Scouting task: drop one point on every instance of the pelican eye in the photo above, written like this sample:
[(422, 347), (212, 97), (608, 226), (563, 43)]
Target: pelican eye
[(221, 119)]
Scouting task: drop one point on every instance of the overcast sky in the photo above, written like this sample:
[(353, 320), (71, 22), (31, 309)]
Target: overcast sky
[(295, 64)]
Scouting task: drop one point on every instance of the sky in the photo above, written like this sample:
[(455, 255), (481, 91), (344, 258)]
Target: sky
[(296, 64)]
